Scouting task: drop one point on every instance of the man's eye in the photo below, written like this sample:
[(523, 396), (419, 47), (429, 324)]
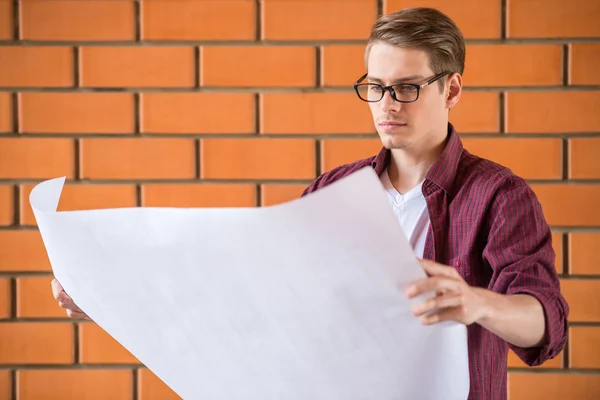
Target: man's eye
[(374, 88), (406, 88)]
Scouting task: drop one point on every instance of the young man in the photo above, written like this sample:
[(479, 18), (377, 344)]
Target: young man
[(479, 229)]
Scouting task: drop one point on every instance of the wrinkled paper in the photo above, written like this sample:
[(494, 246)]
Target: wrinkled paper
[(297, 301)]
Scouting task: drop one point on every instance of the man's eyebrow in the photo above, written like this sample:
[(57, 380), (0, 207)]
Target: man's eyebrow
[(399, 80)]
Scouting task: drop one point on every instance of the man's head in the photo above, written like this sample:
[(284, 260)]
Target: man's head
[(413, 46)]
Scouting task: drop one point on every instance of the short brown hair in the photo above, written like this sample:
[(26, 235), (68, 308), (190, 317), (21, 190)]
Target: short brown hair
[(423, 28)]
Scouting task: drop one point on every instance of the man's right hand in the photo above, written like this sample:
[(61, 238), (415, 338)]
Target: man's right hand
[(66, 302)]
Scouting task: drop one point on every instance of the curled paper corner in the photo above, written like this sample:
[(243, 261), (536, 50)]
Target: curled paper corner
[(45, 195)]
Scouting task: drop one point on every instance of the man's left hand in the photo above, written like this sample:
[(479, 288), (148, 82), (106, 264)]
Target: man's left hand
[(455, 300)]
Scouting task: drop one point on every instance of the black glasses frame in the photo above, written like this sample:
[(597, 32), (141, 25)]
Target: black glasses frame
[(390, 88)]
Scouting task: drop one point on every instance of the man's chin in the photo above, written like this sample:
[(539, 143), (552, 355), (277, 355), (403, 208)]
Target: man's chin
[(392, 142), (399, 146)]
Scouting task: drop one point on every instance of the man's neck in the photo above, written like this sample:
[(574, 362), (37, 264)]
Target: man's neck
[(408, 167)]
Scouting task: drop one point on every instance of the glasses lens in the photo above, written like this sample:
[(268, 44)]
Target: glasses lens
[(373, 92), (369, 92), (406, 93)]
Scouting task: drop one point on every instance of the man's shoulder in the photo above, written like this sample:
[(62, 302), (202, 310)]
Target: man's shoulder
[(337, 173), (486, 176)]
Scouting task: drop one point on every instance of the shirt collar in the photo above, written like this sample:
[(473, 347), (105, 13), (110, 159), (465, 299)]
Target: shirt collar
[(442, 172)]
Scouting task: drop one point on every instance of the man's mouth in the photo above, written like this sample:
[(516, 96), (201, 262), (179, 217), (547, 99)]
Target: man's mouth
[(391, 124)]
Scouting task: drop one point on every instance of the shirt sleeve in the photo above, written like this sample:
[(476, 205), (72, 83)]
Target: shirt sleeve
[(520, 252), (327, 178)]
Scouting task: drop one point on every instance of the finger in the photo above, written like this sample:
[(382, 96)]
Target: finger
[(59, 293), (436, 269), (56, 288), (69, 305), (448, 314), (433, 284), (77, 315), (437, 303)]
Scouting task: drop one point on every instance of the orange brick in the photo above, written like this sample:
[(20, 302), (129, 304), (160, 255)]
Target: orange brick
[(6, 22), (552, 112), (283, 113), (528, 158), (477, 19), (329, 20), (583, 156), (36, 343), (583, 297), (96, 346), (71, 20), (552, 18), (583, 59), (76, 113), (277, 194), (150, 387), (180, 195), (48, 66), (513, 65), (583, 253), (339, 152), (476, 112), (6, 111), (198, 20), (137, 66), (584, 347), (75, 384), (515, 362), (6, 205), (342, 65), (570, 205), (264, 66), (552, 386), (5, 300), (22, 250), (139, 158), (198, 113), (257, 158), (5, 385), (82, 197), (35, 299), (557, 245), (36, 158)]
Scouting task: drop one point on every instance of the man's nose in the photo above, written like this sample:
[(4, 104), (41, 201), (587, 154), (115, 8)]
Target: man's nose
[(388, 104)]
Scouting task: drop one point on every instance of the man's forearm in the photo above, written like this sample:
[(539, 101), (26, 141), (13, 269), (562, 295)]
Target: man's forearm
[(518, 319)]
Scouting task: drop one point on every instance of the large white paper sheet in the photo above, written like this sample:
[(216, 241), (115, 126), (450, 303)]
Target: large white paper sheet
[(297, 301)]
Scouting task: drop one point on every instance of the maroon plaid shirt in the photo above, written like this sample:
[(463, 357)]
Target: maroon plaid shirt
[(488, 224)]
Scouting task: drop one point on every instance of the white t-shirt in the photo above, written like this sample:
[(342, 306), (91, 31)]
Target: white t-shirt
[(412, 213)]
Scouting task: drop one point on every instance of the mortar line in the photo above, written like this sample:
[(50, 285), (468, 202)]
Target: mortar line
[(565, 158), (16, 16), (16, 219), (258, 11), (565, 64), (76, 67), (258, 194), (137, 20), (318, 152), (16, 109), (503, 20)]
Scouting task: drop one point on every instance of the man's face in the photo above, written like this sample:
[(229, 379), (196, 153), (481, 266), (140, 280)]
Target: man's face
[(400, 125)]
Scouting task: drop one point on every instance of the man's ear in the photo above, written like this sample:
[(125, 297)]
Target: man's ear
[(454, 85)]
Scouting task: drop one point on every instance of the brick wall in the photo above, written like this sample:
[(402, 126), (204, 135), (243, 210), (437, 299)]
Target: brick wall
[(222, 91)]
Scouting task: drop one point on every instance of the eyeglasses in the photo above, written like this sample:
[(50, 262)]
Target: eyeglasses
[(402, 92)]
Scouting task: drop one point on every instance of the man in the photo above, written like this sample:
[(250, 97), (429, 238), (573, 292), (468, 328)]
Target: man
[(480, 230), (477, 227)]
